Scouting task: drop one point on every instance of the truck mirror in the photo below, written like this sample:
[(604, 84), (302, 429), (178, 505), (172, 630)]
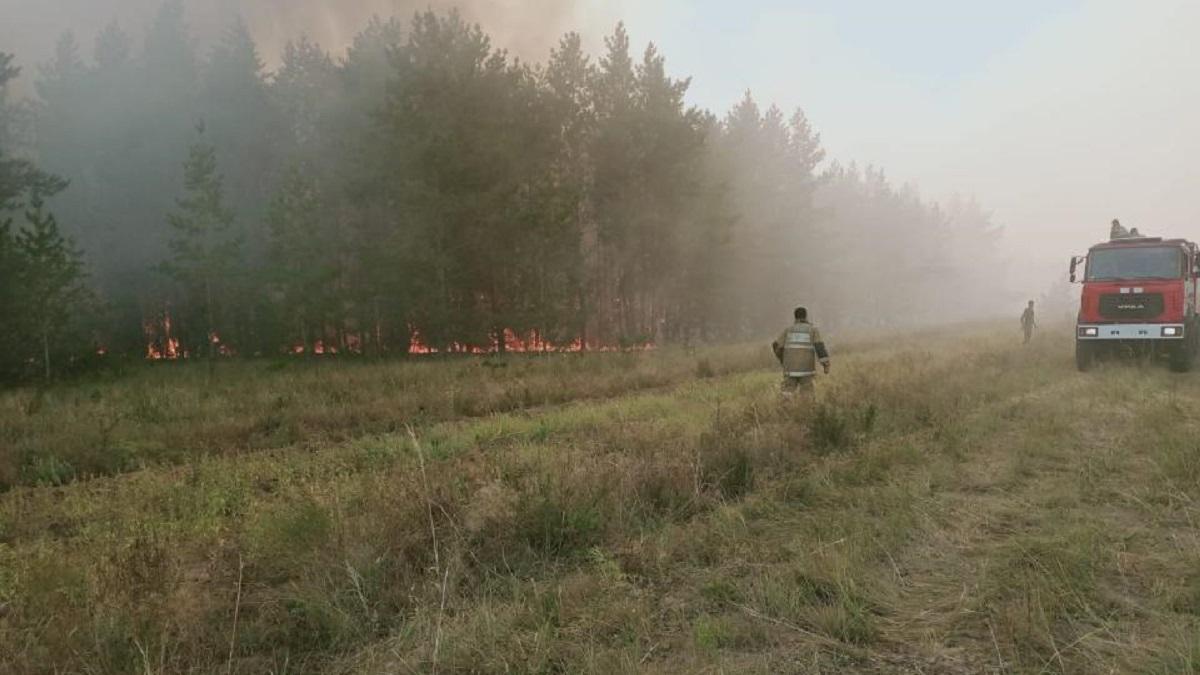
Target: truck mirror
[(1074, 264)]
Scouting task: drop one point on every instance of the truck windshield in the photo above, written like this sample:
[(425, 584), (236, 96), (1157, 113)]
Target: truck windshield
[(1139, 262)]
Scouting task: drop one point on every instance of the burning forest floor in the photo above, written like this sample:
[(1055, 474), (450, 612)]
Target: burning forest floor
[(953, 504)]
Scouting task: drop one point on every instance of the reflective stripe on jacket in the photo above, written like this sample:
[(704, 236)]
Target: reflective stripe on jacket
[(799, 349)]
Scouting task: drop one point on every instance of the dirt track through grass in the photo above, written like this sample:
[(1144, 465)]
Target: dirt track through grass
[(1045, 552), (953, 505)]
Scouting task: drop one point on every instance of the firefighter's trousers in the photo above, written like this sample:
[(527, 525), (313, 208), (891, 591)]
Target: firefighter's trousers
[(798, 385)]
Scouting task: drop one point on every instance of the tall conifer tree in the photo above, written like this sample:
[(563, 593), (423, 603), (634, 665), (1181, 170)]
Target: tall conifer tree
[(51, 279), (205, 251)]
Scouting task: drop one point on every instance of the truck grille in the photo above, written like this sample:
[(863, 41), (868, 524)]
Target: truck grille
[(1131, 305)]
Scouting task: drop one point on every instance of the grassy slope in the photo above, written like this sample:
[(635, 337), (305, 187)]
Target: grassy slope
[(955, 504)]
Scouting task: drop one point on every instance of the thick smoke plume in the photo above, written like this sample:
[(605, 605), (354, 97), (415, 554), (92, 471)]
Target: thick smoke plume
[(30, 27)]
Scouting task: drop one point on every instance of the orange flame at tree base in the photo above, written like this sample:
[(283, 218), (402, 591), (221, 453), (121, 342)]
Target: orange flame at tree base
[(533, 343)]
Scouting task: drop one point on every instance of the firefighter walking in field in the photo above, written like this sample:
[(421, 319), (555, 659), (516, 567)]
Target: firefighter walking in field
[(799, 349), (1028, 322)]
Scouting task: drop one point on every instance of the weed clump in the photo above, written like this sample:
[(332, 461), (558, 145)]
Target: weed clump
[(1179, 462), (833, 607), (47, 470), (713, 633), (726, 465), (1186, 600), (283, 538), (830, 429), (552, 525), (663, 490)]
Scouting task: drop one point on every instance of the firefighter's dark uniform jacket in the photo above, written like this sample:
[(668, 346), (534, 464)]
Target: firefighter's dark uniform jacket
[(799, 348)]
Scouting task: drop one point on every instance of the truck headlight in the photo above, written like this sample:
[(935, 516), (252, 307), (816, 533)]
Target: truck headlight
[(1172, 331), (1089, 331)]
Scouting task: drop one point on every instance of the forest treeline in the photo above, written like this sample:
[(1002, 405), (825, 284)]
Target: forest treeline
[(428, 190)]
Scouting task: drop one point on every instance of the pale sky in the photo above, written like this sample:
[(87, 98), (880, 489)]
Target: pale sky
[(1058, 116)]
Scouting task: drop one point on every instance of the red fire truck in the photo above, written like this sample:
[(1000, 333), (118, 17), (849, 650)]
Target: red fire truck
[(1139, 296)]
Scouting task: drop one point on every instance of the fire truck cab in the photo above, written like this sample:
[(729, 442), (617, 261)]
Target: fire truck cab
[(1139, 296)]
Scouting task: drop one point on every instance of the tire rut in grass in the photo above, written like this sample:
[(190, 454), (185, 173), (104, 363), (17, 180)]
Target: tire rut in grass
[(1006, 534)]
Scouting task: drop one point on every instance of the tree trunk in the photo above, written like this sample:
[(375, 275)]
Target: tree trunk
[(46, 350), (208, 310), (378, 328)]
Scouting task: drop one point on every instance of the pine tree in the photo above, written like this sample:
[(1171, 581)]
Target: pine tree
[(8, 72), (303, 256), (302, 89), (51, 278), (113, 47), (168, 58), (706, 288), (38, 269), (61, 72), (451, 144), (19, 178), (62, 120), (568, 80), (204, 249), (9, 299), (670, 175), (614, 154), (381, 238), (13, 116), (243, 124), (777, 246)]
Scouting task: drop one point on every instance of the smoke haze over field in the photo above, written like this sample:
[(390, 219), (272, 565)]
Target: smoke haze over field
[(929, 161), (1058, 116)]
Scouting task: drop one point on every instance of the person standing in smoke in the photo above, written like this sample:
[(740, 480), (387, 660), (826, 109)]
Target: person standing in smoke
[(1028, 322), (798, 349)]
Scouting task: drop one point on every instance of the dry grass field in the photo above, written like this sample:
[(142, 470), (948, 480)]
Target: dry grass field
[(948, 503)]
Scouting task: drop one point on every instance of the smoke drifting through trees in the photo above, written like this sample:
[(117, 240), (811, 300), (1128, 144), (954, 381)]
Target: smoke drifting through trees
[(427, 184), (527, 27)]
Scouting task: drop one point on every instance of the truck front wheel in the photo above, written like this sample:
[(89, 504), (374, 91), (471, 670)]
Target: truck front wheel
[(1183, 354), (1085, 355)]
